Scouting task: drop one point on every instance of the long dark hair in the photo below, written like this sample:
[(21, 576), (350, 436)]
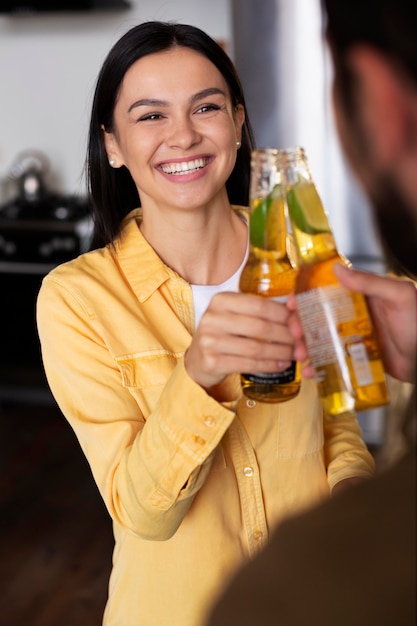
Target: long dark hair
[(112, 191)]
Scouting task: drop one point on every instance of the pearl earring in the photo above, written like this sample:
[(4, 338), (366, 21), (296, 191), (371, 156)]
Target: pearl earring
[(112, 162), (238, 144)]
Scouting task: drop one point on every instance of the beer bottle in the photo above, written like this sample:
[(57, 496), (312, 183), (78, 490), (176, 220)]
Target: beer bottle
[(268, 272), (338, 329)]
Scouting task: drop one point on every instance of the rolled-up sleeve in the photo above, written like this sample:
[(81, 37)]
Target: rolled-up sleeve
[(148, 466), (346, 454)]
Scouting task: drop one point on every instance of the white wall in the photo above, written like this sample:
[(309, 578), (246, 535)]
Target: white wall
[(48, 67), (312, 123), (290, 104)]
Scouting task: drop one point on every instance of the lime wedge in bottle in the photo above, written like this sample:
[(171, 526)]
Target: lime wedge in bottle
[(264, 219), (306, 210)]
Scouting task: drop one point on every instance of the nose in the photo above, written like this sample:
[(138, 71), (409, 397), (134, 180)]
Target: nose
[(183, 133)]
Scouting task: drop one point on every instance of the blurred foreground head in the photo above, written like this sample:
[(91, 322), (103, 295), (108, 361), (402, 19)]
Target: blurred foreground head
[(373, 44)]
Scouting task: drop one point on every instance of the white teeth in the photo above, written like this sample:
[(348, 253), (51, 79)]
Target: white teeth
[(186, 167)]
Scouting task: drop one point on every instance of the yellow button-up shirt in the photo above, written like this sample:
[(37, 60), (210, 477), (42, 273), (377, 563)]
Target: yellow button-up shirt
[(193, 486)]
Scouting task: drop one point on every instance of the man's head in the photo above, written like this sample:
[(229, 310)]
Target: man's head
[(373, 45)]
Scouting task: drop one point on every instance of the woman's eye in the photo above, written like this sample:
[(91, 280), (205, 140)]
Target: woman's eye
[(150, 116), (207, 108)]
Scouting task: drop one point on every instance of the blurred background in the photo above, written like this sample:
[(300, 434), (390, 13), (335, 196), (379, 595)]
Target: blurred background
[(49, 60), (50, 54)]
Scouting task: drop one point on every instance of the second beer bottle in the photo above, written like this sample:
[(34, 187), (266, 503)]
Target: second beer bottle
[(338, 329), (269, 272)]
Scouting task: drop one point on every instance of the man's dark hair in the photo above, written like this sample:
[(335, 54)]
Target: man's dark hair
[(388, 25)]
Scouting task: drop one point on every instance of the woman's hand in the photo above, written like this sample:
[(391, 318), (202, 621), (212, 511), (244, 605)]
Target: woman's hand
[(239, 333), (393, 306)]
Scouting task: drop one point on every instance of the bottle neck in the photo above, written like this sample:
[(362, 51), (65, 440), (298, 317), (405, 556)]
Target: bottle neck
[(313, 248), (267, 225), (267, 221), (312, 233)]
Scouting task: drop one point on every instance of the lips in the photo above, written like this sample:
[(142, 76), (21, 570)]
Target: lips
[(184, 167)]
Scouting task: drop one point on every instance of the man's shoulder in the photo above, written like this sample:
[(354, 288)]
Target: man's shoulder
[(388, 496)]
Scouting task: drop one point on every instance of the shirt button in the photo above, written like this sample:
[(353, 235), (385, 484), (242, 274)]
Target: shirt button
[(250, 403), (257, 535), (210, 421), (248, 471)]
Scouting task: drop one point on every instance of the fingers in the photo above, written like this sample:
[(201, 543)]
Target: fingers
[(247, 316), (355, 280), (255, 354), (369, 284), (291, 302), (393, 305), (239, 333), (249, 305)]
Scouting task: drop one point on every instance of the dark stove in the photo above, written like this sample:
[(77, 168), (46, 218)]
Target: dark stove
[(35, 237), (37, 232)]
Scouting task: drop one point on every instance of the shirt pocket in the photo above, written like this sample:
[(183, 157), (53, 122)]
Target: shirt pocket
[(145, 375), (147, 370)]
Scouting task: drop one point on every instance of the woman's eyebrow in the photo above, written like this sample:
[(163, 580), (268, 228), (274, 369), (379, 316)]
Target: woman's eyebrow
[(204, 93), (150, 102), (200, 95)]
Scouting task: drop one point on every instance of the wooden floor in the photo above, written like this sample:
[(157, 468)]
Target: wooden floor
[(55, 534)]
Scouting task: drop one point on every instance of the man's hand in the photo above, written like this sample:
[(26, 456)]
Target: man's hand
[(393, 306)]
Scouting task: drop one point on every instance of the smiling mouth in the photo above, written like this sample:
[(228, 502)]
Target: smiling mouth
[(186, 167)]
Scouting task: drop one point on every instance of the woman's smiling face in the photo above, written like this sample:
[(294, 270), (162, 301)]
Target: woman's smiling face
[(175, 129)]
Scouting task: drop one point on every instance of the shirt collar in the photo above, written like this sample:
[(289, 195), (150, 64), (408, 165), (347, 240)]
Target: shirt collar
[(143, 268)]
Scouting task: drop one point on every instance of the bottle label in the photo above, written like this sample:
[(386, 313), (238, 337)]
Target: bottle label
[(274, 378), (323, 311), (360, 363)]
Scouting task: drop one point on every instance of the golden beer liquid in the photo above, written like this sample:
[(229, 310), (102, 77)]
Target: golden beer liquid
[(354, 379), (339, 386), (269, 273)]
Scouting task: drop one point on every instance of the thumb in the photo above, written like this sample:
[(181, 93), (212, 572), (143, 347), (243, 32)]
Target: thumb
[(360, 281)]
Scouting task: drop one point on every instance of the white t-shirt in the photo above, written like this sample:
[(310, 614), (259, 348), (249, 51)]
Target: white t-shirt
[(202, 294)]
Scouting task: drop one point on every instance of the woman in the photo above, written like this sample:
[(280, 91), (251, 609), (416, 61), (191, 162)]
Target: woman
[(143, 338)]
